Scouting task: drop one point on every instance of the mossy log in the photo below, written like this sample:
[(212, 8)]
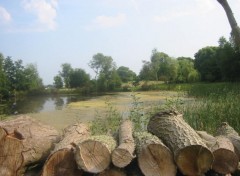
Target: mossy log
[(154, 158), (191, 154), (23, 142), (225, 159), (123, 154), (94, 154), (226, 130), (62, 161)]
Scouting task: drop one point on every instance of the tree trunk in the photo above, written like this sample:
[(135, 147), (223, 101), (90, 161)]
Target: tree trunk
[(62, 161), (24, 142), (230, 133), (235, 29), (94, 154), (225, 159), (123, 154), (154, 158), (191, 154)]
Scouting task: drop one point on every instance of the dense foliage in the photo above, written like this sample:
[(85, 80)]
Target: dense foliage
[(15, 77)]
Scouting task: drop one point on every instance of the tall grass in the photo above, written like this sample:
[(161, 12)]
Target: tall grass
[(214, 104), (208, 107)]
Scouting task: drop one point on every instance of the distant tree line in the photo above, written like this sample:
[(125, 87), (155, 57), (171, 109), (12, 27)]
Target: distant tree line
[(211, 64), (14, 77)]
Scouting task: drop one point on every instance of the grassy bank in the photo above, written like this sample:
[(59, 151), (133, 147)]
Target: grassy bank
[(209, 106)]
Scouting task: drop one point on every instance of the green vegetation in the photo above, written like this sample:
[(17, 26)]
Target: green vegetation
[(212, 104)]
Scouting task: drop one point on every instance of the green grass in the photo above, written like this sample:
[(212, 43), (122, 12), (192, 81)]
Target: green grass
[(214, 103), (210, 105)]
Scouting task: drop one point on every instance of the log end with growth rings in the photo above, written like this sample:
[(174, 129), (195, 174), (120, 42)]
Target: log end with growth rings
[(156, 160), (225, 161), (92, 156), (194, 159), (121, 157)]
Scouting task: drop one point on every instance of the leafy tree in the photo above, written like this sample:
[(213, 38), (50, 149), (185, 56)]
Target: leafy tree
[(146, 73), (208, 64), (168, 68), (32, 78), (229, 59), (3, 83), (58, 82), (157, 62), (103, 66), (78, 78), (186, 71), (126, 74), (65, 73)]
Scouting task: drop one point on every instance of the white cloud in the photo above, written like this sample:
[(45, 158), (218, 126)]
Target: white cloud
[(5, 16), (108, 21), (46, 13)]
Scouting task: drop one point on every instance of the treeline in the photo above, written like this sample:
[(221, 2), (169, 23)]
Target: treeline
[(14, 77), (211, 64)]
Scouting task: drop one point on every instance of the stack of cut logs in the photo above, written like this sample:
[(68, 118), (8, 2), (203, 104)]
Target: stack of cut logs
[(170, 147)]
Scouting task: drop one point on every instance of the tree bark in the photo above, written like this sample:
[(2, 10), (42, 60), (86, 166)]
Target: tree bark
[(225, 159), (94, 154), (23, 142), (62, 161), (191, 154), (154, 158), (123, 154), (226, 130), (233, 23)]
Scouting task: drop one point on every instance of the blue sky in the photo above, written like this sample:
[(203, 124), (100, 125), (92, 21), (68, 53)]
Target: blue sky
[(51, 32)]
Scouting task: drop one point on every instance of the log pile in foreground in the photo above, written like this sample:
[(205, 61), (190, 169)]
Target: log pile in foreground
[(154, 158), (94, 154), (124, 153), (23, 142), (191, 154), (225, 159), (173, 145), (61, 161)]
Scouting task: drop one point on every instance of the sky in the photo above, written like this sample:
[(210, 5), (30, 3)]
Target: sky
[(48, 33)]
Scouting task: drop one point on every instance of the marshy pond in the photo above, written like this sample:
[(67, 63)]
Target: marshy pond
[(61, 111)]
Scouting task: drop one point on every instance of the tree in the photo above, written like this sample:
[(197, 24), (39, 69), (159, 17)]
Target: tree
[(146, 73), (58, 83), (208, 64), (186, 71), (65, 73), (78, 78), (233, 23), (126, 74), (3, 83), (229, 60), (157, 60), (103, 66), (32, 78)]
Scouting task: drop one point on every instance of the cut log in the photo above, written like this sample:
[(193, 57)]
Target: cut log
[(154, 158), (191, 154), (226, 130), (24, 141), (94, 154), (62, 161), (123, 154), (225, 159)]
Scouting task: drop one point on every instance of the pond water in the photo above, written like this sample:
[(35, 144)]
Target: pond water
[(61, 111)]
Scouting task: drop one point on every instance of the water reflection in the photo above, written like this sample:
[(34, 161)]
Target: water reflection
[(37, 104)]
